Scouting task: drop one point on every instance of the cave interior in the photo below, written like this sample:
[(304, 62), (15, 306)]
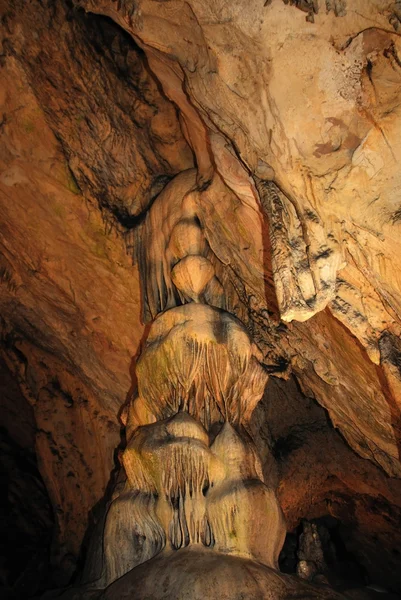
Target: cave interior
[(200, 299)]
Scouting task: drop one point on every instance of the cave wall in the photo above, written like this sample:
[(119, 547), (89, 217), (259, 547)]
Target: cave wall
[(296, 115), (70, 300)]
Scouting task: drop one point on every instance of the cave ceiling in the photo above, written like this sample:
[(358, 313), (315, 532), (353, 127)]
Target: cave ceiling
[(286, 118)]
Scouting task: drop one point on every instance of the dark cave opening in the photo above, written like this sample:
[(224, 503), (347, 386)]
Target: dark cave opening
[(323, 483), (26, 522), (321, 543)]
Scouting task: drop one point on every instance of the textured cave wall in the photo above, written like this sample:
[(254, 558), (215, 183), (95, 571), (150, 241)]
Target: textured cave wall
[(88, 139)]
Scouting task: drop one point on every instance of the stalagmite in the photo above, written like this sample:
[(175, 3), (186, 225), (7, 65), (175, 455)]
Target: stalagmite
[(200, 324), (195, 518)]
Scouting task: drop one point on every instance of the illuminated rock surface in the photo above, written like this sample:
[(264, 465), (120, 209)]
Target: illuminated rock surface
[(282, 128)]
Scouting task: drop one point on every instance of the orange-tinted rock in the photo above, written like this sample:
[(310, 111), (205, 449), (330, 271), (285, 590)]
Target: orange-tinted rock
[(315, 100), (312, 104)]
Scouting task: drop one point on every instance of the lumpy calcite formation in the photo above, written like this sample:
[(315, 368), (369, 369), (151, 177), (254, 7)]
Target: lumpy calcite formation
[(195, 518), (290, 222)]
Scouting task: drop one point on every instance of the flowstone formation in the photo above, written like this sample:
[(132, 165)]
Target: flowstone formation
[(195, 518), (299, 122)]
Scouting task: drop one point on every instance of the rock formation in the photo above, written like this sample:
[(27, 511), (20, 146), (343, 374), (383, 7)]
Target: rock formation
[(197, 198), (194, 502), (316, 242)]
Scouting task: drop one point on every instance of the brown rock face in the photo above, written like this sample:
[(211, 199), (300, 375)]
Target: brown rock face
[(282, 127), (70, 303)]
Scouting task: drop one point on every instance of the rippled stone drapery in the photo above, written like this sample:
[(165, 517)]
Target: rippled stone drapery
[(195, 517)]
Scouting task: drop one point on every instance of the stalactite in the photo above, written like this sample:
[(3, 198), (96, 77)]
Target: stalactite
[(210, 366), (198, 371)]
